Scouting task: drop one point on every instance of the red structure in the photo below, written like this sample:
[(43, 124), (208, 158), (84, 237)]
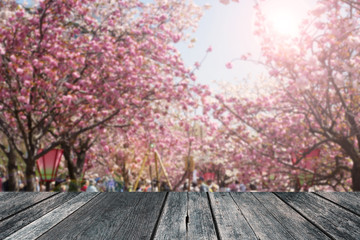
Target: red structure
[(48, 165), (209, 176), (313, 154)]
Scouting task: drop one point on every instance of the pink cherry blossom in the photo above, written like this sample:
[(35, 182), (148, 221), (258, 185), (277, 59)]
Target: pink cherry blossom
[(226, 2), (19, 71), (76, 74), (229, 65), (197, 64)]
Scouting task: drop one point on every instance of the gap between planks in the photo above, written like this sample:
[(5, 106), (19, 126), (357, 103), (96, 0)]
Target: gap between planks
[(159, 217), (308, 219), (213, 217), (337, 204)]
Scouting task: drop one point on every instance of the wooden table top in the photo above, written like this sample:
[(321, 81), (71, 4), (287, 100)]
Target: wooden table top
[(177, 215)]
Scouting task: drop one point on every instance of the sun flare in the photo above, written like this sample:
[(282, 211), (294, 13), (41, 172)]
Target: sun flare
[(284, 23), (285, 16)]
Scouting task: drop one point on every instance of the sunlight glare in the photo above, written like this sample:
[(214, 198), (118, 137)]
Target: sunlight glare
[(285, 16), (284, 23)]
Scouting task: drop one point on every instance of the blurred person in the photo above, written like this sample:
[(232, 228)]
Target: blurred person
[(59, 185), (63, 188), (198, 184), (154, 185), (42, 188), (2, 177), (110, 185), (71, 184), (85, 184), (164, 187), (100, 184), (194, 187), (21, 181), (52, 186), (185, 185), (214, 187), (252, 187), (209, 184), (92, 187), (224, 187), (140, 186), (233, 187), (37, 184), (202, 186), (5, 185), (242, 187), (119, 186), (237, 187), (148, 186)]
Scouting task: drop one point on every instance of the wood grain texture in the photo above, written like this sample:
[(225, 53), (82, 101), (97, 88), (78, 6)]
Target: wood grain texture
[(19, 220), (264, 224), (295, 224), (7, 195), (141, 223), (332, 219), (200, 225), (229, 219), (179, 216), (172, 224), (12, 203), (99, 219), (348, 200), (49, 220)]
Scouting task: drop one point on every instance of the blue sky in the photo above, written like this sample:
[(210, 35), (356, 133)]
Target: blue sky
[(229, 30)]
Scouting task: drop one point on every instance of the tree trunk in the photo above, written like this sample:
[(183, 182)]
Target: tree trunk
[(80, 163), (124, 171), (297, 186), (30, 176), (177, 185), (73, 187), (47, 184), (355, 174), (12, 170)]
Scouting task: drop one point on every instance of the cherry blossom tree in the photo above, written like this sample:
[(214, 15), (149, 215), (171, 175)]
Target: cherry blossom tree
[(313, 105), (157, 147), (69, 67)]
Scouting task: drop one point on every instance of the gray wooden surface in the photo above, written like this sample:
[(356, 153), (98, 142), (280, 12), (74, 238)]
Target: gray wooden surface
[(177, 215)]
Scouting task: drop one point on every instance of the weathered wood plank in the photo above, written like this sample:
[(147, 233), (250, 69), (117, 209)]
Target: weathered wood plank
[(7, 195), (348, 200), (172, 224), (332, 219), (17, 221), (260, 219), (99, 219), (49, 220), (298, 226), (200, 223), (141, 223), (229, 219), (12, 203)]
